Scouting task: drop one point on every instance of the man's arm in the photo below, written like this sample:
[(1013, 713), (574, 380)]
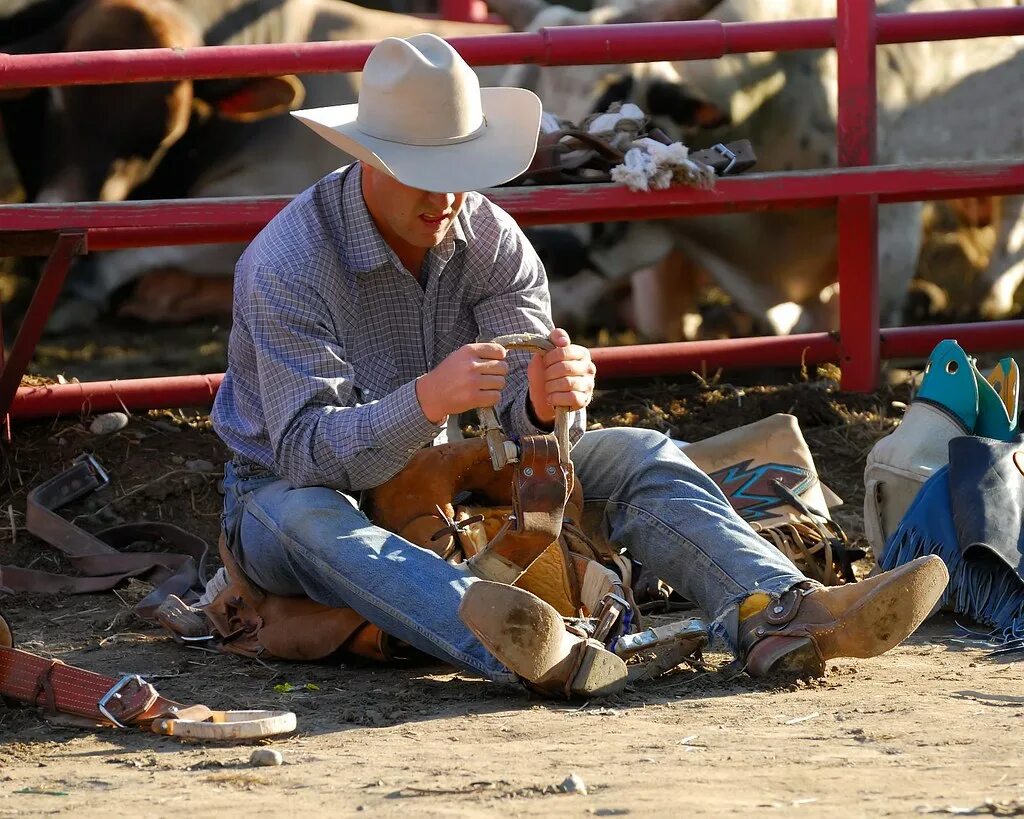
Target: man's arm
[(518, 302), (320, 435)]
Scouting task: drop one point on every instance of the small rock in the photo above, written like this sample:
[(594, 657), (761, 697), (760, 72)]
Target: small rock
[(574, 784), (266, 757), (177, 460), (199, 465), (108, 422)]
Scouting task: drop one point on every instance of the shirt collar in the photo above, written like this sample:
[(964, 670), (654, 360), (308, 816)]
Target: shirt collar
[(366, 249)]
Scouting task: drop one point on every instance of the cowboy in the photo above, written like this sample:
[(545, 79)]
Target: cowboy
[(356, 317)]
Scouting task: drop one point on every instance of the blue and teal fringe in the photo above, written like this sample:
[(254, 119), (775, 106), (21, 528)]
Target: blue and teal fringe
[(985, 590)]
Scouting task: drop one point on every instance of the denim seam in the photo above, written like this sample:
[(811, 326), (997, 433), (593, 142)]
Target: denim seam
[(367, 597)]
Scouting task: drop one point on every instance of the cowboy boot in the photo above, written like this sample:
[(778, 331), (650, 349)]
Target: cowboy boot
[(532, 640), (945, 407), (809, 625)]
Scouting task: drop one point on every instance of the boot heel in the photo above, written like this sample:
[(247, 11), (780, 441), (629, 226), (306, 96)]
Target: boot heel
[(600, 672), (785, 656)]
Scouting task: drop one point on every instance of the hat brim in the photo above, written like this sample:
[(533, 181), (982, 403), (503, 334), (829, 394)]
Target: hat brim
[(501, 152)]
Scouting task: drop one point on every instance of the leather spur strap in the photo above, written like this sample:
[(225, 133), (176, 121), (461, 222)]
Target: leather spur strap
[(100, 564), (95, 699), (540, 489)]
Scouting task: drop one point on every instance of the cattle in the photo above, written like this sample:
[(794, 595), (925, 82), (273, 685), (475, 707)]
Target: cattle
[(778, 266), (217, 138), (202, 138)]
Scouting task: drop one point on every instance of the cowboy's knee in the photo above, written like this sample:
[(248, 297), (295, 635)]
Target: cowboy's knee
[(315, 516), (634, 439)]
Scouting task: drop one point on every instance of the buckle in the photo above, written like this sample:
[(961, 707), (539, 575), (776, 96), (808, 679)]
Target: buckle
[(728, 154), (612, 613), (453, 527), (102, 478), (115, 694)]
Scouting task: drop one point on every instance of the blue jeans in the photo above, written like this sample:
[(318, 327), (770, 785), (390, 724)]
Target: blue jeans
[(648, 495)]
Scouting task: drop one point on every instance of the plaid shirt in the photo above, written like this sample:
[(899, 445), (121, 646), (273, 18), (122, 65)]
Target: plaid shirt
[(330, 332)]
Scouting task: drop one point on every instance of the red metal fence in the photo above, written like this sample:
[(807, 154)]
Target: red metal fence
[(855, 189)]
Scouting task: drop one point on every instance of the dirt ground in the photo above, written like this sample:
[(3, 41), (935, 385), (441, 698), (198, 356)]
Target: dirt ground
[(934, 726)]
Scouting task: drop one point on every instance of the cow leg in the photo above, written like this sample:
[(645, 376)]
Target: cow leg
[(172, 296), (820, 311), (1005, 272), (575, 300), (899, 246), (170, 284), (666, 299)]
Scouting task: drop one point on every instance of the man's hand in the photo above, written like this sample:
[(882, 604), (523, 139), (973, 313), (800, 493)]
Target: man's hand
[(562, 377), (473, 376)]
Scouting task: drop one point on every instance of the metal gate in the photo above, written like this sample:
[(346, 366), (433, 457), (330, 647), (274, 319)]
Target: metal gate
[(855, 189)]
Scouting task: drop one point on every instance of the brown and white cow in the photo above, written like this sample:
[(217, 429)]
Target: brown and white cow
[(218, 138), (780, 266)]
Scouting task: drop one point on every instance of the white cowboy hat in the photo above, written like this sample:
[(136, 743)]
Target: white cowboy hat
[(423, 118)]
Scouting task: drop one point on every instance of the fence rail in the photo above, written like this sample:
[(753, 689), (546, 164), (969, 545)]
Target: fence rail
[(111, 225), (562, 45), (856, 189)]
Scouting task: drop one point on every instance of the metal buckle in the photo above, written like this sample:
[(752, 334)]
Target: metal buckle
[(611, 612), (98, 471), (114, 691), (502, 450), (728, 154)]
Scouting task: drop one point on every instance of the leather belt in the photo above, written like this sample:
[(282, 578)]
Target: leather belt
[(102, 566)]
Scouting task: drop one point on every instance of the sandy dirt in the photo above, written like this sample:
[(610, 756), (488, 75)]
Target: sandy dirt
[(934, 726)]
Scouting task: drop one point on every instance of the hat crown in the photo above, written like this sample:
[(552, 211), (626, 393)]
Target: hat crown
[(419, 91)]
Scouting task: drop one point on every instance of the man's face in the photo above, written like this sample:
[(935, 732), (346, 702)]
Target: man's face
[(407, 215)]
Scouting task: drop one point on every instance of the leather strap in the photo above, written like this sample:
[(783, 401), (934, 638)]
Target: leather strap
[(99, 558), (562, 156), (540, 487), (774, 619), (59, 688), (727, 159)]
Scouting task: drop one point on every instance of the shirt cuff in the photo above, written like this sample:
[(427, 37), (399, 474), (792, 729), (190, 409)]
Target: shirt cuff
[(399, 422), (522, 418)]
